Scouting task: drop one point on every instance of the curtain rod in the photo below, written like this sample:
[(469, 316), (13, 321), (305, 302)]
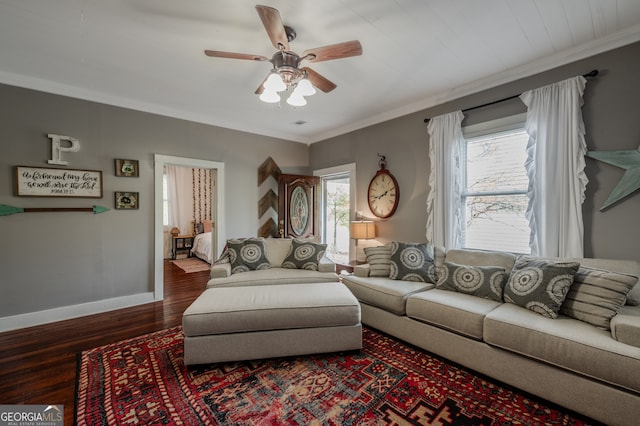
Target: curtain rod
[(592, 73)]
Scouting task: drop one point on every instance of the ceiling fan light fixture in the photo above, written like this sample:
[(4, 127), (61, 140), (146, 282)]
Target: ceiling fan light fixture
[(286, 71), (270, 96), (305, 88), (274, 83), (296, 100)]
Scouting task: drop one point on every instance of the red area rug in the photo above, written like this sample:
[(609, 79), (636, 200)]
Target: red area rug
[(144, 381)]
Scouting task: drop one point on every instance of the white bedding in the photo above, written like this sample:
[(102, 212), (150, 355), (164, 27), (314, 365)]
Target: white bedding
[(202, 247)]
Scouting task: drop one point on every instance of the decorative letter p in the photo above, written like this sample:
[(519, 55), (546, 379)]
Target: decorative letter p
[(57, 149)]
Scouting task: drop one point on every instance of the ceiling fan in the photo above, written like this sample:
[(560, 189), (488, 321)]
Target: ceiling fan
[(286, 70)]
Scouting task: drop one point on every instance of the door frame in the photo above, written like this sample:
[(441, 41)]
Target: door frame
[(217, 211), (349, 168)]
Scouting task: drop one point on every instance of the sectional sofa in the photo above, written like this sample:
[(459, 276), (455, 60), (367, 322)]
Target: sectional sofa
[(590, 365), (586, 359)]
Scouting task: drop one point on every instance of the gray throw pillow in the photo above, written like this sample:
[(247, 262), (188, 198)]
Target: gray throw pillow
[(304, 254), (481, 281), (412, 262), (597, 295), (540, 285), (379, 260), (247, 255)]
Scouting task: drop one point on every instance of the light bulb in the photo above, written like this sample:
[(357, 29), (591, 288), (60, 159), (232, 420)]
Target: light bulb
[(269, 96), (296, 100), (274, 82), (305, 88)]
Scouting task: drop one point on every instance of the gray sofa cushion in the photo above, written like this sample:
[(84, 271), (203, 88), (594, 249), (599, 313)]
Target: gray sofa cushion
[(413, 262), (481, 258), (384, 293), (242, 309), (276, 250), (460, 313), (481, 281), (564, 342), (597, 295), (625, 327), (540, 285), (272, 276)]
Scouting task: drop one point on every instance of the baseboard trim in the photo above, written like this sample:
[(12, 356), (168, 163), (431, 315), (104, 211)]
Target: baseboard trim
[(68, 312)]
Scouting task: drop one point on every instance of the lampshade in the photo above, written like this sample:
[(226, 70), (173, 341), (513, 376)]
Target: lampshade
[(296, 100), (363, 230), (269, 96), (274, 83), (304, 88)]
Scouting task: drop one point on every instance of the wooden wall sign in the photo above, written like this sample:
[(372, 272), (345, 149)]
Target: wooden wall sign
[(268, 175), (49, 182)]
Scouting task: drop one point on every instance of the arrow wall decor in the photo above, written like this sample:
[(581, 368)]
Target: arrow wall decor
[(6, 210)]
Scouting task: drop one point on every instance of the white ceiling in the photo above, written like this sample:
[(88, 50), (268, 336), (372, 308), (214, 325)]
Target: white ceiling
[(148, 54)]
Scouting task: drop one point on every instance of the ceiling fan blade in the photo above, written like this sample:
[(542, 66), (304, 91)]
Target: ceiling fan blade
[(231, 55), (333, 51), (319, 81), (260, 88), (272, 22)]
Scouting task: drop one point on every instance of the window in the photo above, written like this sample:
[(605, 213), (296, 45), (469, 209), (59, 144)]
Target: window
[(494, 186), (336, 186)]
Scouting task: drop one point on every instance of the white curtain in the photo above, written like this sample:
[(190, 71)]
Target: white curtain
[(443, 201), (555, 165), (180, 198)]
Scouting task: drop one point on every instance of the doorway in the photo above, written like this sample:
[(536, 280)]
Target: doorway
[(217, 211)]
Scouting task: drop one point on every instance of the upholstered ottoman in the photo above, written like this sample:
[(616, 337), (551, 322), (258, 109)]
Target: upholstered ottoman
[(243, 323)]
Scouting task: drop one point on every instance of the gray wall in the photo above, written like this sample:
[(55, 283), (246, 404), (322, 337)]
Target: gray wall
[(611, 114), (51, 260)]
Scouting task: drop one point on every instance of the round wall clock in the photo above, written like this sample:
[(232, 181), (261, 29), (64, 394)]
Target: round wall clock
[(384, 193)]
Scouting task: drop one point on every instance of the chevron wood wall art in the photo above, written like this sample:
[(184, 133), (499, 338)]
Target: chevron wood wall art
[(268, 174)]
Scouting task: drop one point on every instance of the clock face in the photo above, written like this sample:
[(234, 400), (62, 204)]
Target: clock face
[(383, 194)]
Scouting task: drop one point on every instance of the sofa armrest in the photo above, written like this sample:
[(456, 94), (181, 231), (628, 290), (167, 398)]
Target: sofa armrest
[(326, 265), (221, 270), (361, 270), (625, 327)]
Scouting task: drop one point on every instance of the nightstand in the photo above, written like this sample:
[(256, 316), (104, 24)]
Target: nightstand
[(340, 267), (181, 243)]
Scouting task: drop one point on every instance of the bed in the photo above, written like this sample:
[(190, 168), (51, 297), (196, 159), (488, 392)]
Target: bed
[(202, 241)]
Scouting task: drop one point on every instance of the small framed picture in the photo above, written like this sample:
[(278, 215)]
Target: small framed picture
[(127, 200), (127, 168)]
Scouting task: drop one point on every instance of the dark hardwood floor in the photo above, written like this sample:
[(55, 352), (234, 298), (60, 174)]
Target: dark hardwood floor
[(38, 364)]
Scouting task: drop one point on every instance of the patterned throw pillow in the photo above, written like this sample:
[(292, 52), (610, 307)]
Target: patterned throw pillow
[(304, 254), (247, 255), (412, 262), (379, 259), (597, 295), (224, 257), (540, 285), (481, 281)]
